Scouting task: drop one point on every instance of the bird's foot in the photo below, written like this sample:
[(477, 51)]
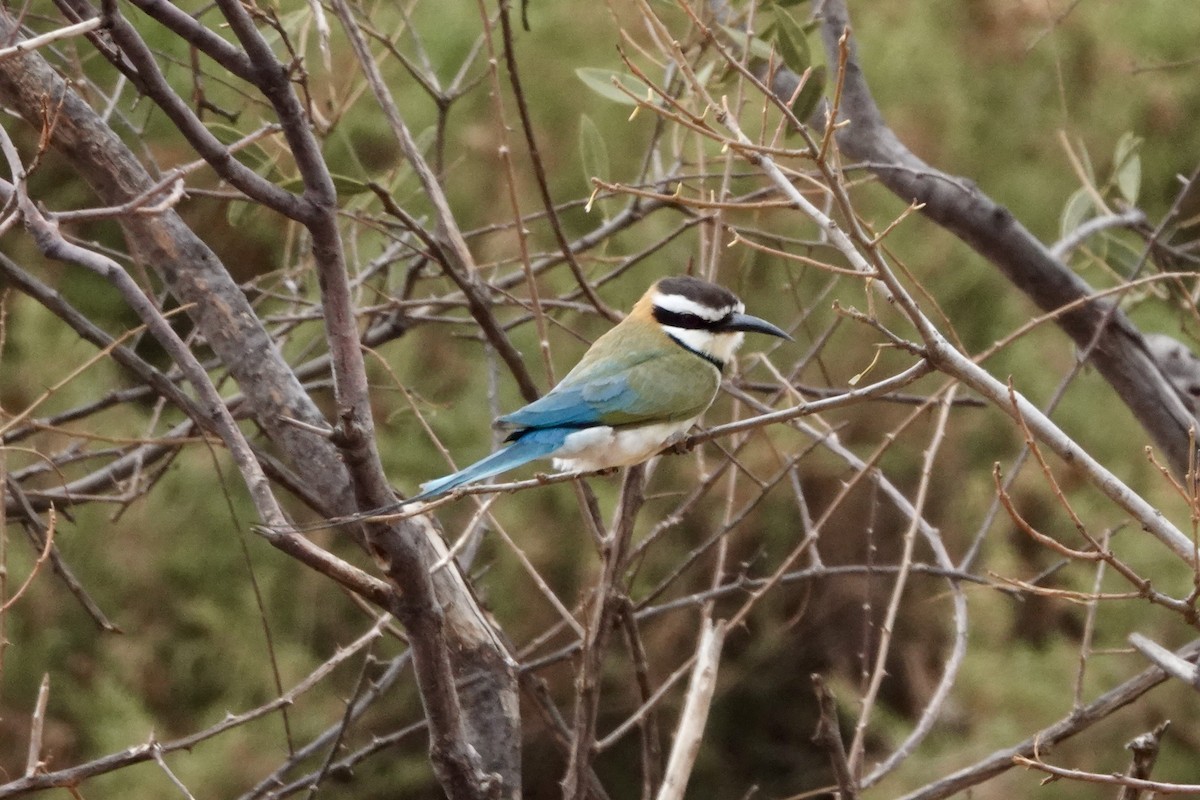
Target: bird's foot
[(677, 444)]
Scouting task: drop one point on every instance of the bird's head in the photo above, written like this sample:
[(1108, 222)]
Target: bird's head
[(701, 316)]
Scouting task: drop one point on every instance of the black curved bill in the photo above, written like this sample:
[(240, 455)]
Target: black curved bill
[(751, 324)]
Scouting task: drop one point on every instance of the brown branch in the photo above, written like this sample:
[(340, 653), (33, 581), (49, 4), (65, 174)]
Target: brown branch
[(35, 530), (405, 551), (1179, 668), (1145, 753), (828, 737), (370, 694), (651, 751), (33, 758), (42, 558), (231, 328), (73, 776), (188, 28), (1125, 781), (1079, 720), (139, 65), (90, 332), (603, 611), (1119, 352), (539, 170), (458, 262), (695, 711), (53, 245), (191, 271)]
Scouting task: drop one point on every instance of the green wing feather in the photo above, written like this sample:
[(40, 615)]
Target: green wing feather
[(619, 384)]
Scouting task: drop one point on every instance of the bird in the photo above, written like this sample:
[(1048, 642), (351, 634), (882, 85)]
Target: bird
[(1180, 366), (637, 389)]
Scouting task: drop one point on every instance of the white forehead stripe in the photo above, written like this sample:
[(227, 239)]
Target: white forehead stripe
[(678, 304)]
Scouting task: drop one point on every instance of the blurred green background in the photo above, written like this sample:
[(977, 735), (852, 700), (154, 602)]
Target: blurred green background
[(986, 89)]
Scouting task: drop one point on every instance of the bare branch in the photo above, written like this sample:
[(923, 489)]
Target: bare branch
[(695, 712), (1164, 659), (829, 736), (1077, 721), (1119, 352), (1145, 753), (35, 42)]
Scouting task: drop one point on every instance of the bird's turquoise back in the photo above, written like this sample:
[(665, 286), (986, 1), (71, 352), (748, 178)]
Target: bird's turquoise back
[(633, 374), (636, 389)]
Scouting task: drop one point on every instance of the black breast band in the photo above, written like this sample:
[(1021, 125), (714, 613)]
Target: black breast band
[(716, 362)]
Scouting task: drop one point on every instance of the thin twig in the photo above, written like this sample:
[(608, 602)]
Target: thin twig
[(600, 619), (1111, 779), (828, 737), (34, 42), (1077, 721), (37, 722), (1180, 668)]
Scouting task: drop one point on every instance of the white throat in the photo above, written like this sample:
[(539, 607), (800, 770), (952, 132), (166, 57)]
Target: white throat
[(718, 346)]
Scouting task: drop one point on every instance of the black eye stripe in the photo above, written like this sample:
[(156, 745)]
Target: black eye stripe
[(676, 319)]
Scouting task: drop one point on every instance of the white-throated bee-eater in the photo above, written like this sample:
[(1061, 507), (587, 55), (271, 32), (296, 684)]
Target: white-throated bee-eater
[(639, 387)]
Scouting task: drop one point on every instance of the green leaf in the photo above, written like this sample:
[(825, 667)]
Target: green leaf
[(593, 150), (601, 81), (725, 80), (344, 185), (425, 139), (741, 39), (225, 134), (1078, 208), (347, 186), (237, 211), (806, 102), (1127, 167), (792, 41), (251, 155), (1085, 159)]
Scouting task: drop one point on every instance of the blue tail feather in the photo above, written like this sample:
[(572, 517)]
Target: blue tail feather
[(529, 447)]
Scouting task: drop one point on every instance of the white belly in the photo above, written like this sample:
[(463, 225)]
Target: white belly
[(602, 447)]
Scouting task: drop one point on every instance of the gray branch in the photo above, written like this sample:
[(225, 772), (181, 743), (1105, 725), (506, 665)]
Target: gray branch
[(1115, 347)]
